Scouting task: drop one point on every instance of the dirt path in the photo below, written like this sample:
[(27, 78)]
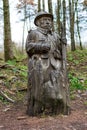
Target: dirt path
[(13, 117)]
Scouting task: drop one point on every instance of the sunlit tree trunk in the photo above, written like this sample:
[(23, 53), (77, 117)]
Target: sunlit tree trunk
[(71, 13), (8, 52), (39, 5), (78, 31)]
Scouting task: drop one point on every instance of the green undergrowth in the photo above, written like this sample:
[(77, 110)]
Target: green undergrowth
[(13, 78), (13, 74), (77, 69)]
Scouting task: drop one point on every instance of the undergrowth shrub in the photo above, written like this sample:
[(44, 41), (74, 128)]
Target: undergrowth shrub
[(75, 84)]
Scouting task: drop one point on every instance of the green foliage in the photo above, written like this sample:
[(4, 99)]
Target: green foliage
[(22, 67), (77, 56), (14, 78), (11, 62), (18, 68), (70, 56), (15, 73), (75, 84), (23, 74), (3, 100), (23, 71), (85, 82), (77, 69)]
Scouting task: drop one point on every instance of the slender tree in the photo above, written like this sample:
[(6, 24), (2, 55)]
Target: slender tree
[(24, 26), (64, 16), (8, 51), (58, 15), (39, 5), (50, 8), (71, 14), (43, 4), (78, 31)]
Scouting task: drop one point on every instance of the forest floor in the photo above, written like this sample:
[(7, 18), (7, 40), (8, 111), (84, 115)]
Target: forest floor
[(13, 80), (14, 117)]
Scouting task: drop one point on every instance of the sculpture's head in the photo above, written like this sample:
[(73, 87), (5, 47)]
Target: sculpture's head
[(44, 20)]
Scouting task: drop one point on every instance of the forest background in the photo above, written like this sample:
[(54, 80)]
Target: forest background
[(16, 18), (72, 14)]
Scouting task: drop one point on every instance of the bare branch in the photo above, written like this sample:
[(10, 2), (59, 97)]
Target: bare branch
[(6, 97)]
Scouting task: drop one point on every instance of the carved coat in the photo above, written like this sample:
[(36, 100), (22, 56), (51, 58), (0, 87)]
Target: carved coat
[(45, 65)]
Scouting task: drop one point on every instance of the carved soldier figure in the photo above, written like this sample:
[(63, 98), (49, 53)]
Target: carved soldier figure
[(47, 87)]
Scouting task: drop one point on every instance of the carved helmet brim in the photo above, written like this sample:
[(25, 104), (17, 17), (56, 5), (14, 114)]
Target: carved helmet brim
[(42, 14)]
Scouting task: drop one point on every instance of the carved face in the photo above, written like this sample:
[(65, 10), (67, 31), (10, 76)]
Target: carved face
[(45, 23)]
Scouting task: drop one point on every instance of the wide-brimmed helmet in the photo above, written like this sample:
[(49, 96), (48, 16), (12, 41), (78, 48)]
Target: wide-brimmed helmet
[(42, 14)]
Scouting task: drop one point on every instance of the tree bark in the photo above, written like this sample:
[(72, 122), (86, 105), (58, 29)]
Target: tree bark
[(58, 15), (43, 4), (64, 17), (8, 50), (71, 13), (39, 5), (50, 9), (78, 31)]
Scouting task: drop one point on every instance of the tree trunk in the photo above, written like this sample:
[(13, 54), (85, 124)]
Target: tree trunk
[(24, 27), (43, 4), (39, 5), (71, 13), (50, 9), (78, 31), (64, 17), (8, 52), (58, 15)]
